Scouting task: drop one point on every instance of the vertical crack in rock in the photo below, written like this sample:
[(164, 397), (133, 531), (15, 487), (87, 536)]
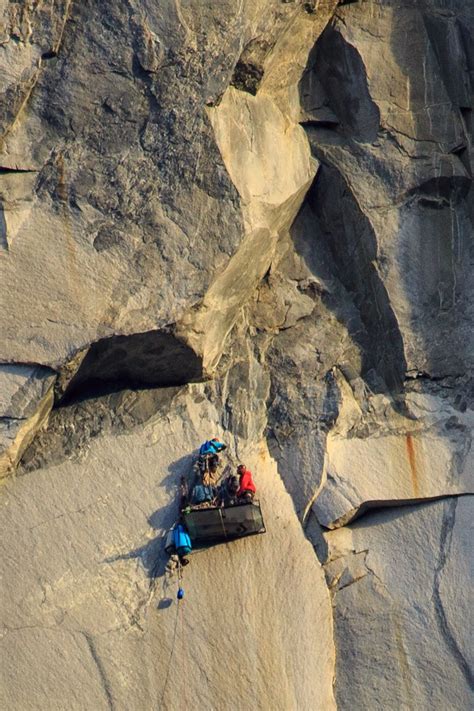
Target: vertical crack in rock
[(338, 243), (105, 684), (3, 230), (443, 623)]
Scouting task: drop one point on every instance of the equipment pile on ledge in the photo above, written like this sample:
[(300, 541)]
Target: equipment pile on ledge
[(215, 507)]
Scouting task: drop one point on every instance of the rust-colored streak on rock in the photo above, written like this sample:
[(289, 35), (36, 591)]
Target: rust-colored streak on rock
[(412, 460)]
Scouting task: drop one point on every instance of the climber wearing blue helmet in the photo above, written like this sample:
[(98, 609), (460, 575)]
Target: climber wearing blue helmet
[(211, 446), (209, 457), (178, 543)]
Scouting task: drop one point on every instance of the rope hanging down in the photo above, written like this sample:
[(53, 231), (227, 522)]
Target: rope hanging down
[(179, 596)]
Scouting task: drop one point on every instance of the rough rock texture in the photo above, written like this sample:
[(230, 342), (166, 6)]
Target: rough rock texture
[(392, 575), (26, 399), (424, 453), (91, 584), (254, 220)]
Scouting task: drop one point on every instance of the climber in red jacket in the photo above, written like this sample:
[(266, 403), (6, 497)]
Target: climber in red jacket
[(247, 487)]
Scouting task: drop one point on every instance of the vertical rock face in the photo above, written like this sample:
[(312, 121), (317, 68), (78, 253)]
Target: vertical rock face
[(26, 399), (251, 220), (92, 589), (393, 575)]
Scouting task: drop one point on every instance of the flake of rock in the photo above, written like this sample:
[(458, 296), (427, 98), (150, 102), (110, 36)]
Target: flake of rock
[(384, 457), (406, 260), (26, 398), (401, 622)]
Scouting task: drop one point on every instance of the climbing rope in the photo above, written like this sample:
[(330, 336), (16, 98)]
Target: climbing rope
[(168, 671), (183, 674), (179, 605)]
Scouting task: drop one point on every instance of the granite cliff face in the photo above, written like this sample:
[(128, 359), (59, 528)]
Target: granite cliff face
[(251, 220)]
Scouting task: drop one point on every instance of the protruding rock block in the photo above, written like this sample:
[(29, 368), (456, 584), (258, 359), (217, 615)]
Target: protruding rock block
[(382, 457), (401, 582), (26, 399)]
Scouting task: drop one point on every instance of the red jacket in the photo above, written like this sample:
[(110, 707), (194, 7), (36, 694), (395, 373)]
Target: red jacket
[(246, 483)]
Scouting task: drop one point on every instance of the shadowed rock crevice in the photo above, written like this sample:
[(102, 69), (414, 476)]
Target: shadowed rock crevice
[(247, 76), (334, 88), (442, 619), (443, 191), (339, 243), (378, 506), (154, 359), (105, 684), (3, 230), (453, 49)]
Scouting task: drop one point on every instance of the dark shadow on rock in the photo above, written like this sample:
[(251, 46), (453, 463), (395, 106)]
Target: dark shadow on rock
[(180, 467), (334, 91), (152, 555), (435, 235), (154, 359), (331, 233), (164, 603), (338, 244), (376, 513)]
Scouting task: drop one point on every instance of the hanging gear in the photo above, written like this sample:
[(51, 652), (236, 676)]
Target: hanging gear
[(182, 541), (180, 593)]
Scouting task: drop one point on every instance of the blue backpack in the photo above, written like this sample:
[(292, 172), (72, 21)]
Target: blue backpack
[(202, 493), (207, 448), (182, 541)]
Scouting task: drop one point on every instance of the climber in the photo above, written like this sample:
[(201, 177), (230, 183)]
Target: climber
[(202, 494), (209, 458), (228, 490), (247, 488), (178, 543), (184, 492), (210, 448)]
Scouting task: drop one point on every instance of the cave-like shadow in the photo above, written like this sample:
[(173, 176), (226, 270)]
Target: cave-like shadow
[(153, 359)]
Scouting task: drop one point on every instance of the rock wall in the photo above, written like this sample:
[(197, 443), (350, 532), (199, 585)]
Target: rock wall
[(90, 596), (251, 220)]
